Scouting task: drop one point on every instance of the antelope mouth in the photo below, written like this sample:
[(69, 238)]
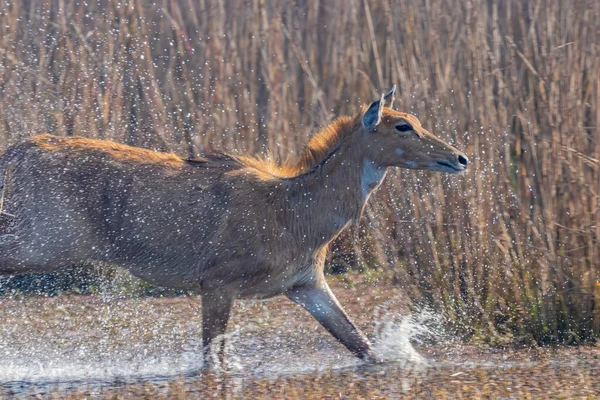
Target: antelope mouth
[(445, 166)]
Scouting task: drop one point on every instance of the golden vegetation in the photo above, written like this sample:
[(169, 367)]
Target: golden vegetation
[(511, 248)]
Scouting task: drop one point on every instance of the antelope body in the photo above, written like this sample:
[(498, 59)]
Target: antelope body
[(224, 226)]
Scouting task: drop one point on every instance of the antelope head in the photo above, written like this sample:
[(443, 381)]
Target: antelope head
[(397, 139)]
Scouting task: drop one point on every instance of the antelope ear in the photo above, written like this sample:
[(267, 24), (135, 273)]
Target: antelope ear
[(389, 98), (372, 116)]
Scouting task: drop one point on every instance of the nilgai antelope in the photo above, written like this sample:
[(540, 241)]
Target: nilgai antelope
[(222, 225)]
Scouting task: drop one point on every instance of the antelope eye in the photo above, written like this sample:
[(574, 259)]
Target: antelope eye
[(404, 128)]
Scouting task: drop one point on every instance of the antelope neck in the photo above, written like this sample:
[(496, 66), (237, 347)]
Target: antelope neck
[(335, 193)]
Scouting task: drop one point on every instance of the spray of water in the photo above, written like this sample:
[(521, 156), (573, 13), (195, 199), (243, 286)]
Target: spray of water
[(82, 358), (398, 336)]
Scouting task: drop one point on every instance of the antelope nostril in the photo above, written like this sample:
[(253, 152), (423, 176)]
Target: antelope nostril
[(463, 160)]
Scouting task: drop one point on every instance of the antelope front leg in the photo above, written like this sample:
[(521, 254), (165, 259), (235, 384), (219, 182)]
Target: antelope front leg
[(318, 300), (216, 309)]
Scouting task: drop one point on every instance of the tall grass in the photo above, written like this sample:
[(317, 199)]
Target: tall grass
[(509, 250)]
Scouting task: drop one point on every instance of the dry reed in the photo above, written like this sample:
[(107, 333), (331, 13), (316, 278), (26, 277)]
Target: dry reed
[(510, 249)]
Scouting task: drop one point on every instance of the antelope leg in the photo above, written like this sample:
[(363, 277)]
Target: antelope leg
[(321, 303), (216, 309)]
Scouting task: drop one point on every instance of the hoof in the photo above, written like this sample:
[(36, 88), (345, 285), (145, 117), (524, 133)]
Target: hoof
[(372, 359)]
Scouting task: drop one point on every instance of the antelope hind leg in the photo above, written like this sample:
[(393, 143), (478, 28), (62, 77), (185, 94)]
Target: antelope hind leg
[(321, 303)]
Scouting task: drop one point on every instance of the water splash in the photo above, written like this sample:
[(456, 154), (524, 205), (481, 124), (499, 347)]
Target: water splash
[(131, 340), (45, 365), (397, 334)]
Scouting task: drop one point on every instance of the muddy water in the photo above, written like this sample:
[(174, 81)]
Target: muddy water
[(97, 345)]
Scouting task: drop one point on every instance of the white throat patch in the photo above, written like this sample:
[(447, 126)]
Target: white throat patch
[(371, 177)]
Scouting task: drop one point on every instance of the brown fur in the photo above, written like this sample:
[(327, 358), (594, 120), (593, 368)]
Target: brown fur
[(224, 225), (116, 151)]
